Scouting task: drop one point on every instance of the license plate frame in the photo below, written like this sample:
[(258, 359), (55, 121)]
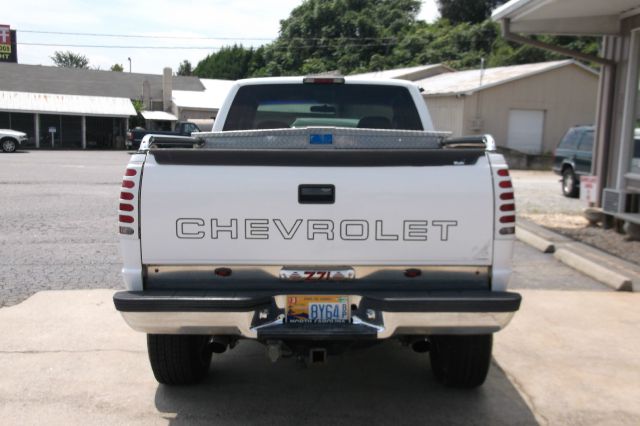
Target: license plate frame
[(318, 309)]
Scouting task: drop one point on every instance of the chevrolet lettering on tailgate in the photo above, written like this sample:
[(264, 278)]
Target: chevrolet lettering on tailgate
[(347, 230)]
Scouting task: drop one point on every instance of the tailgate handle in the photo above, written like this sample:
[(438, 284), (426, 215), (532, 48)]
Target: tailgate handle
[(316, 194)]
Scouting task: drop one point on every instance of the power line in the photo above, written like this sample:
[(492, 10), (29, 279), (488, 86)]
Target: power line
[(145, 36), (111, 46), (198, 37)]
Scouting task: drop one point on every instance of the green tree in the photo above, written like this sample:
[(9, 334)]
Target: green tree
[(117, 67), (137, 120), (353, 36), (232, 63), (471, 11), (185, 68), (345, 35), (70, 59)]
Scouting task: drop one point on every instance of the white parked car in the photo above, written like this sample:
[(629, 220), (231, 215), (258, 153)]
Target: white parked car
[(11, 139)]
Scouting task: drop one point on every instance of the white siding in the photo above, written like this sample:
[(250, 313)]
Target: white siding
[(447, 114)]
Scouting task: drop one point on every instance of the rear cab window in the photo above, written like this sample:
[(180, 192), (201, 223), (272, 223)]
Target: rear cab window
[(278, 106)]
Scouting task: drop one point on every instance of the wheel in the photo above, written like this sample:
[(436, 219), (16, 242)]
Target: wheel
[(9, 145), (569, 183), (461, 361), (179, 359)]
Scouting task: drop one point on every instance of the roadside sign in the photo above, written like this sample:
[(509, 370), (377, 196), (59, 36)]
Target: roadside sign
[(52, 131), (8, 51), (589, 189)]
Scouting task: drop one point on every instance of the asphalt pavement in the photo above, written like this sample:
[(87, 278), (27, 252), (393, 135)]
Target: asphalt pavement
[(59, 221)]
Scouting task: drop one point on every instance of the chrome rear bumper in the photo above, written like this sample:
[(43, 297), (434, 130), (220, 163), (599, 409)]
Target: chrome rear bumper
[(377, 315)]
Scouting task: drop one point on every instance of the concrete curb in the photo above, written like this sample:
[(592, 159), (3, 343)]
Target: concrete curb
[(534, 240), (612, 271), (596, 271), (538, 237)]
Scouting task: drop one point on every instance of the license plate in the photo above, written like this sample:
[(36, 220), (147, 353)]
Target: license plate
[(318, 309)]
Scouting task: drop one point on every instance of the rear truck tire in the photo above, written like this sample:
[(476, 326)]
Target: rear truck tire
[(461, 361), (9, 145), (178, 359), (570, 186)]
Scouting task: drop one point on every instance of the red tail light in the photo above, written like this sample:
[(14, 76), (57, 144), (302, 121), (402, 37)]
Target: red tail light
[(506, 196), (505, 206), (508, 219), (126, 218)]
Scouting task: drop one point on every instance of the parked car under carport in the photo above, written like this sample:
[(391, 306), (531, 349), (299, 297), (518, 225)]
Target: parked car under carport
[(10, 140)]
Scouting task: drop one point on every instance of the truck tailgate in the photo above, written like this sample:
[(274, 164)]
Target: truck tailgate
[(200, 212)]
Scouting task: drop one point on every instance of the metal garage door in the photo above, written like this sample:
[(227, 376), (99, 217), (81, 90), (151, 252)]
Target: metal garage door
[(525, 130)]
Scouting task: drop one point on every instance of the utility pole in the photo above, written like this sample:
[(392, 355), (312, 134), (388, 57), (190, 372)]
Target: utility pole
[(129, 64)]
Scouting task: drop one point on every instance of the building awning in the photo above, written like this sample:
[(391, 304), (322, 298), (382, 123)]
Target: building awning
[(158, 115), (580, 17), (210, 99), (47, 103)]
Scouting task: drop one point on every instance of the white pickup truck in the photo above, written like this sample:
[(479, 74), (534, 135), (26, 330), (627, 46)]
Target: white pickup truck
[(320, 214)]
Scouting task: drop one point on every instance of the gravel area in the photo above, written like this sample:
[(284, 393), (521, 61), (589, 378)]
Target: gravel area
[(539, 199)]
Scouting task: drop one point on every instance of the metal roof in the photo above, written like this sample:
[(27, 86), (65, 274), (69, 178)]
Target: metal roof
[(211, 99), (71, 81), (595, 17), (409, 73), (50, 103), (158, 115), (468, 82)]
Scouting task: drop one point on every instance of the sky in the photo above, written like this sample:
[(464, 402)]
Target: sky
[(248, 22)]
